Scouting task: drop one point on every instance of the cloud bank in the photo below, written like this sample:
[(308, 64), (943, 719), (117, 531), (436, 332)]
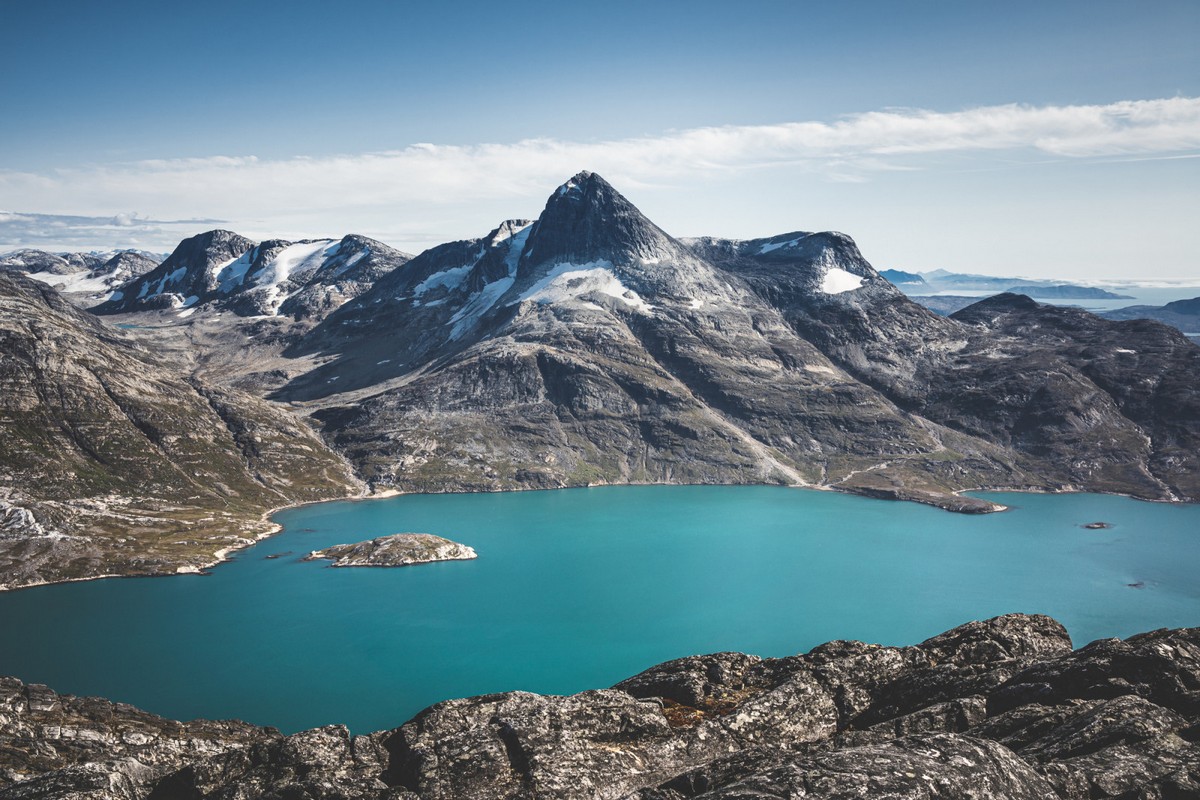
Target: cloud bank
[(295, 195)]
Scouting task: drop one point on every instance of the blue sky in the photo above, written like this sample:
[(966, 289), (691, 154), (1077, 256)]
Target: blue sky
[(1042, 139)]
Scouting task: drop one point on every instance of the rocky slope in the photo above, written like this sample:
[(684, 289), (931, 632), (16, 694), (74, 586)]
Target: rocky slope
[(998, 709), (113, 463), (396, 550)]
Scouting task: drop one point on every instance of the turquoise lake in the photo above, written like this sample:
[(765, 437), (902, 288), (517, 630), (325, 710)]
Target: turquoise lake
[(580, 588)]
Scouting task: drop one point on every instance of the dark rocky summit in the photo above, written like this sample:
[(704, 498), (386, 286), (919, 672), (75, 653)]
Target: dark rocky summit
[(396, 550), (1000, 709)]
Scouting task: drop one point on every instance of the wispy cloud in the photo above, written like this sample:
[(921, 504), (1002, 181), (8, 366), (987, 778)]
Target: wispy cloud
[(280, 195), (75, 232)]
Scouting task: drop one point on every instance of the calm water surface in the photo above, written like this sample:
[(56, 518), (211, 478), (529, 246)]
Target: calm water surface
[(580, 588)]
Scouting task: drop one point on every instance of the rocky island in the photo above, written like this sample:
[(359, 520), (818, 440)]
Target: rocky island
[(1002, 709), (396, 550)]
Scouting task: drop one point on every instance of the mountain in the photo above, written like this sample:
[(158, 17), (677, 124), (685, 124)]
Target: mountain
[(1001, 709), (86, 277), (901, 278), (114, 463), (1066, 291), (225, 271), (1181, 314), (947, 283), (592, 347)]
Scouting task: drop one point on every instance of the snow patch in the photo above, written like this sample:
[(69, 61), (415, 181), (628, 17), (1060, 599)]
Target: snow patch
[(446, 279), (1123, 350), (570, 281), (230, 273), (187, 312), (772, 246), (695, 304), (294, 258), (351, 261), (72, 281), (838, 280), (505, 235), (469, 315)]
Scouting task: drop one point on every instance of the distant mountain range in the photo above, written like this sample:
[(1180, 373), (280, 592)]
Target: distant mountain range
[(589, 346), (225, 271), (87, 277), (919, 283)]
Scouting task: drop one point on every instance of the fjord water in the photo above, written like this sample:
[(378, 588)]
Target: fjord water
[(580, 588)]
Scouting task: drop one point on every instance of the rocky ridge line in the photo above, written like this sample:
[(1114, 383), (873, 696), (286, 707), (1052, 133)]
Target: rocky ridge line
[(996, 709)]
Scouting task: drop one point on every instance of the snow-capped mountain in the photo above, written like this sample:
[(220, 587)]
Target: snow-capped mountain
[(224, 270), (86, 277), (591, 346)]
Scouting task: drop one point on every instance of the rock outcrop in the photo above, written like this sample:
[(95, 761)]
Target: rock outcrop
[(396, 550), (1001, 709)]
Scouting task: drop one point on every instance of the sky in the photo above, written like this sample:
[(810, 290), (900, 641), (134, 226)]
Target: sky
[(1045, 140)]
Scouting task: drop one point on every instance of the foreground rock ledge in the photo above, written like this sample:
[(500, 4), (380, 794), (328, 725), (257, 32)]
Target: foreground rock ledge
[(396, 550), (995, 709)]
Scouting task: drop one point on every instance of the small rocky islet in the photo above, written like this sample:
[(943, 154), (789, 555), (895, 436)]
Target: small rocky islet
[(394, 550), (1002, 708)]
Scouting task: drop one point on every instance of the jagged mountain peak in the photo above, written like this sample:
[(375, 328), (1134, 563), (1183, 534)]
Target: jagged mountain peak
[(587, 221)]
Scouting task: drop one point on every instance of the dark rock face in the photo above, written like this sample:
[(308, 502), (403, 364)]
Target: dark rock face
[(116, 464), (996, 709), (189, 272)]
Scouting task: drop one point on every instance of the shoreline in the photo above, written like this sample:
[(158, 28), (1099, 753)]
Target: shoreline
[(273, 528)]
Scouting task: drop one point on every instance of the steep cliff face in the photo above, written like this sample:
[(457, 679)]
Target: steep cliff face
[(114, 463), (999, 709)]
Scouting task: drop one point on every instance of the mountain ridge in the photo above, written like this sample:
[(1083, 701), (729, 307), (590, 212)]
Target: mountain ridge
[(999, 709)]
